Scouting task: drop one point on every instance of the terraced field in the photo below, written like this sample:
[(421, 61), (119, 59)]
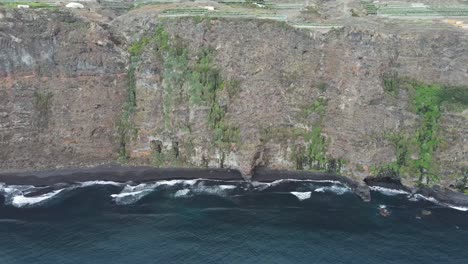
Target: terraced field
[(415, 10)]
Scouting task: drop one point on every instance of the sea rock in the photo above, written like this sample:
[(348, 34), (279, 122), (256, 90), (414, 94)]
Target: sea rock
[(383, 211), (386, 182), (445, 196), (363, 192)]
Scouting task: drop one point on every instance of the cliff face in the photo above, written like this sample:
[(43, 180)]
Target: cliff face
[(61, 90), (223, 93)]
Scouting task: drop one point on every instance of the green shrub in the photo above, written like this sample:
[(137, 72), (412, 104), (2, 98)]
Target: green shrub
[(391, 83), (316, 151), (137, 47), (318, 106), (427, 105)]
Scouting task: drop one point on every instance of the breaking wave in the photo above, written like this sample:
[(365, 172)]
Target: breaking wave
[(23, 201), (30, 196), (418, 197), (133, 193), (388, 191), (130, 193), (334, 189), (94, 183), (182, 193), (302, 195)]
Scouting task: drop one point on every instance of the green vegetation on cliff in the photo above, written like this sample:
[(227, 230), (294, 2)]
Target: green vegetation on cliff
[(206, 86), (427, 105), (310, 151), (199, 82), (125, 127), (415, 154)]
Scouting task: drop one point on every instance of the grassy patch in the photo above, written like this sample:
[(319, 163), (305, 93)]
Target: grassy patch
[(137, 47), (449, 98), (318, 106)]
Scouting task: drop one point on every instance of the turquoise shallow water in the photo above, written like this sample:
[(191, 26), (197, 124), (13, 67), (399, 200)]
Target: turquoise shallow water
[(223, 222)]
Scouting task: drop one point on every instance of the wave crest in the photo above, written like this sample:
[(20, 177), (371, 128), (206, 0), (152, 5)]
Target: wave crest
[(302, 195)]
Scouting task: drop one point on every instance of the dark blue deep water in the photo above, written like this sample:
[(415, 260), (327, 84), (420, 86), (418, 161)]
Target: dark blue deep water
[(223, 222)]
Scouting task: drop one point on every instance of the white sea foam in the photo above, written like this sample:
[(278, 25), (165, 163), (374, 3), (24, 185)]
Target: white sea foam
[(212, 190), (174, 182), (15, 189), (181, 193), (302, 195), (418, 197), (334, 189), (459, 208), (388, 191), (22, 201), (260, 186), (227, 187), (92, 183), (131, 194)]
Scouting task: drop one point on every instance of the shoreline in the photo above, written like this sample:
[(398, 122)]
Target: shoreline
[(119, 173), (116, 173)]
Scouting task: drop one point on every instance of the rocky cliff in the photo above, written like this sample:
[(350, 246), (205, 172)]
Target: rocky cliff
[(371, 97)]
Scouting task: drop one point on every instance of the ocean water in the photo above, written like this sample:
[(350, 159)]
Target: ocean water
[(203, 221)]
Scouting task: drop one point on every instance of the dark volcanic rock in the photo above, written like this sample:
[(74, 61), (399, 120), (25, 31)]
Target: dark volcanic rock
[(386, 182), (363, 191), (445, 196)]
